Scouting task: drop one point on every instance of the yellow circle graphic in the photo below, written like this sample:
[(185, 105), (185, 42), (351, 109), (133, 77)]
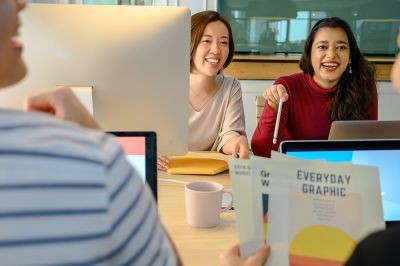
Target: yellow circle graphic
[(320, 245)]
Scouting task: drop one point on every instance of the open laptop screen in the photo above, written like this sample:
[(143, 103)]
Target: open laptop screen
[(140, 148), (385, 154)]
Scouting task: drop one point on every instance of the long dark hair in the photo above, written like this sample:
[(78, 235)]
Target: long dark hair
[(199, 22), (354, 94)]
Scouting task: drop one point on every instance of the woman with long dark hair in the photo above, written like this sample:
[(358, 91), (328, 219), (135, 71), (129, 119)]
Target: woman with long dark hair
[(337, 83)]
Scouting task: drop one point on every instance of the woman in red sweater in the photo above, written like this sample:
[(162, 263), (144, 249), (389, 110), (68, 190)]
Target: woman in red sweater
[(337, 83)]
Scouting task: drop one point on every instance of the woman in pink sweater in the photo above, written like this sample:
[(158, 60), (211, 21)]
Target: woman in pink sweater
[(337, 83)]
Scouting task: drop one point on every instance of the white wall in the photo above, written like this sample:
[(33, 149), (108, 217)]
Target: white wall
[(389, 102)]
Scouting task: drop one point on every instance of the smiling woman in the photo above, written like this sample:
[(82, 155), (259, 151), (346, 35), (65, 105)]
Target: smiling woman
[(337, 83), (216, 116)]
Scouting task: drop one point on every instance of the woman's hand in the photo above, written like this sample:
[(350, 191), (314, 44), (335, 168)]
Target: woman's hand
[(273, 94), (63, 104), (237, 146), (162, 163), (240, 148), (231, 257)]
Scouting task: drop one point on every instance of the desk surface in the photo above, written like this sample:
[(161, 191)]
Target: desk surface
[(195, 246)]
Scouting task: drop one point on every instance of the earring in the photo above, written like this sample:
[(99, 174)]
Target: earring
[(350, 70)]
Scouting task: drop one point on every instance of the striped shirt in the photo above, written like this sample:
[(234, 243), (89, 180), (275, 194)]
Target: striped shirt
[(69, 197)]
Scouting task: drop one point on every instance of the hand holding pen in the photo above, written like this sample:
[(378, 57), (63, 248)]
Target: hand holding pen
[(275, 96)]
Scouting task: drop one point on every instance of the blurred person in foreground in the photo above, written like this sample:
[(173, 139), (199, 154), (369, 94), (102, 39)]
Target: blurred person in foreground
[(68, 194)]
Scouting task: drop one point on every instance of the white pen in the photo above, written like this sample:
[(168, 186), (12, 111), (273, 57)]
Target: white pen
[(278, 118)]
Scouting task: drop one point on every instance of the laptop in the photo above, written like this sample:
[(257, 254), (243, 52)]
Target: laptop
[(364, 129), (140, 148), (385, 154)]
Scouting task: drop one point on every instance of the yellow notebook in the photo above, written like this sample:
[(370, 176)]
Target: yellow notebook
[(198, 163)]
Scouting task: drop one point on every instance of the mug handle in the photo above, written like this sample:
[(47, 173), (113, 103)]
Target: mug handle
[(227, 208)]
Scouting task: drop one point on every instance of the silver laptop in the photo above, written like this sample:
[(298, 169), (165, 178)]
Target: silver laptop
[(364, 129)]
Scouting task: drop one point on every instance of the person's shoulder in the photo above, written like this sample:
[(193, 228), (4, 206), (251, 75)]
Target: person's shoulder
[(389, 235), (378, 248), (231, 83), (42, 132), (230, 78)]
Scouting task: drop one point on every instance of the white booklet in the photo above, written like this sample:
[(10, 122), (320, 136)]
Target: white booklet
[(310, 212)]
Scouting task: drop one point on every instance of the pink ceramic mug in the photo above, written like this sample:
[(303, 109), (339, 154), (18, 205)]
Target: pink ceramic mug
[(203, 203)]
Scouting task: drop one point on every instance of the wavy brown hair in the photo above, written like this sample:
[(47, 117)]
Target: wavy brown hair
[(354, 91), (199, 22)]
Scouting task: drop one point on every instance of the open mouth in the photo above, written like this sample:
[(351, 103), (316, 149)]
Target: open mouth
[(213, 61), (331, 66)]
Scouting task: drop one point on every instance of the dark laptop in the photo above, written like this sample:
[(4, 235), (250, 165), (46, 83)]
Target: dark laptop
[(385, 154), (140, 148)]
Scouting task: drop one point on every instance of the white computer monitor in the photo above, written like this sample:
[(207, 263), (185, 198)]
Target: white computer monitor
[(136, 58)]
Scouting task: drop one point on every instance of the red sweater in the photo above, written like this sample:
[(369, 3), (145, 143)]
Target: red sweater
[(304, 115)]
